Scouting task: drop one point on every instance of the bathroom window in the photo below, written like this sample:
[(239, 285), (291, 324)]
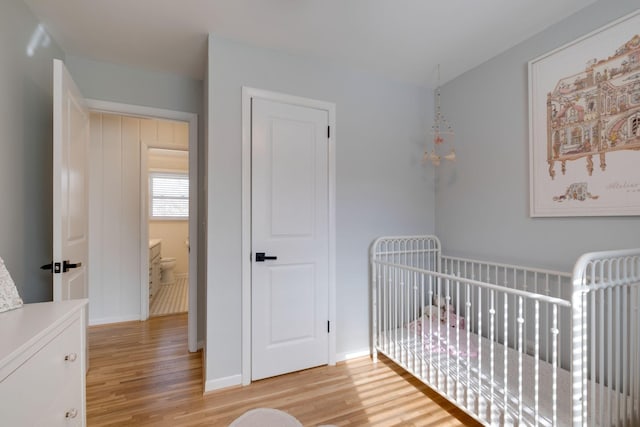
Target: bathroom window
[(169, 195)]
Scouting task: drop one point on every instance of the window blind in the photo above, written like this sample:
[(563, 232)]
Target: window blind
[(169, 194)]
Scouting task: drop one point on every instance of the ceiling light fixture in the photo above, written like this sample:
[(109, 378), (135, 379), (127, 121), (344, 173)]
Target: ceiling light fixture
[(441, 132)]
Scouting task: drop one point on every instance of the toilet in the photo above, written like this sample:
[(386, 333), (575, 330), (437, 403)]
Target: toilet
[(166, 270)]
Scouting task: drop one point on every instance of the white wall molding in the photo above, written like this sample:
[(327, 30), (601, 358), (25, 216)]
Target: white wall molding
[(139, 111), (341, 357), (116, 319), (220, 383)]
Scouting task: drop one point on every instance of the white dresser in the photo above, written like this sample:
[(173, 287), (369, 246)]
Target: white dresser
[(43, 364)]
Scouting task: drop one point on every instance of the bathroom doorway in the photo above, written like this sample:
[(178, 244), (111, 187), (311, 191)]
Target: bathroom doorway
[(121, 136), (168, 223)]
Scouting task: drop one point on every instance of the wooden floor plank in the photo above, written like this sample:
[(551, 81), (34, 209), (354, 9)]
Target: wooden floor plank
[(142, 375)]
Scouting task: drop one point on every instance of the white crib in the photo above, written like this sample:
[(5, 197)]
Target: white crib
[(537, 347)]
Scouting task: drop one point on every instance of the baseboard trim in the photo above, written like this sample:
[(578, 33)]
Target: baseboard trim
[(200, 345), (341, 357), (117, 319), (220, 383)]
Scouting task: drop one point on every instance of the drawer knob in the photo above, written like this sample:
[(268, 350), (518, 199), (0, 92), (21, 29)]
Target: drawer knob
[(71, 413), (71, 357)]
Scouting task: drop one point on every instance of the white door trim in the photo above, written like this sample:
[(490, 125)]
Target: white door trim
[(192, 119), (248, 94)]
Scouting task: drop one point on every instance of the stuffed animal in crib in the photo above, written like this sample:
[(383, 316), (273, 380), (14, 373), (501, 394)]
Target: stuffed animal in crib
[(442, 310)]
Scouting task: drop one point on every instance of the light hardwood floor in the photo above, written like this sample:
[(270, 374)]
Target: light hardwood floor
[(141, 375)]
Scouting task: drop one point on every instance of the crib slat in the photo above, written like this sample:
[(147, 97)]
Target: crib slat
[(422, 326), (397, 305), (383, 305), (467, 306), (592, 356), (554, 363), (536, 366), (447, 301), (616, 351), (610, 360), (406, 296), (374, 321), (479, 397), (520, 350), (625, 365), (526, 287), (438, 343), (492, 312), (505, 353), (547, 317), (635, 355), (603, 346), (457, 299), (583, 322), (414, 316)]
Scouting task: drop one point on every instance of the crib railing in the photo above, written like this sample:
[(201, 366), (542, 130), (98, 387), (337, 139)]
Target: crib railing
[(476, 382), (547, 323), (538, 281), (606, 347)]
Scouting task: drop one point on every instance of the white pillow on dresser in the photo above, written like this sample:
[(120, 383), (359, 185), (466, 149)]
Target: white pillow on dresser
[(9, 297)]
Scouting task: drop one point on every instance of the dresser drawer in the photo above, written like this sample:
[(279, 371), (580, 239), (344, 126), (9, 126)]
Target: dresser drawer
[(46, 386)]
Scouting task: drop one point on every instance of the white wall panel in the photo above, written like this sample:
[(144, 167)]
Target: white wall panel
[(96, 252), (130, 215), (114, 284), (114, 209)]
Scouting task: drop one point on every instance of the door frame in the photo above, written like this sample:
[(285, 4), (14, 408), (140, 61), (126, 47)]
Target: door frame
[(192, 119), (249, 93)]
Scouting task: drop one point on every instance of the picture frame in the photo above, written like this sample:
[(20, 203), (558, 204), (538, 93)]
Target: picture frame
[(584, 125)]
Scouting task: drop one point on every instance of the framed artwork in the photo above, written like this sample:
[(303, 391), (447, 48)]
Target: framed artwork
[(584, 125)]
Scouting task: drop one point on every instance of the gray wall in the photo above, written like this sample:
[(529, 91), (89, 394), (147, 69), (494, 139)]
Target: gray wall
[(121, 83), (382, 188), (124, 84), (482, 204), (26, 128)]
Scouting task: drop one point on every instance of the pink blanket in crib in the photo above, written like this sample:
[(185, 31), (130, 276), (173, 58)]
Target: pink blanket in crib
[(435, 332)]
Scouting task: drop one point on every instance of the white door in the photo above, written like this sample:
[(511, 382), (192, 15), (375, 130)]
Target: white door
[(290, 221), (70, 187)]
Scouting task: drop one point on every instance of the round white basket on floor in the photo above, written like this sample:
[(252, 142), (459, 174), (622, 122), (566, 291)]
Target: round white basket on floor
[(265, 417)]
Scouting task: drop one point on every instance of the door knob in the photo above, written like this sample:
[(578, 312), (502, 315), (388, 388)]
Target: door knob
[(54, 267), (260, 257), (66, 266)]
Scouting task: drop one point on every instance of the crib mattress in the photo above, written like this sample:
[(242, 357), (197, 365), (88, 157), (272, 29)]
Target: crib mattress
[(469, 382)]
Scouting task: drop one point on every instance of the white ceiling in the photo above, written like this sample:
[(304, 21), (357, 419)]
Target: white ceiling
[(402, 39)]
